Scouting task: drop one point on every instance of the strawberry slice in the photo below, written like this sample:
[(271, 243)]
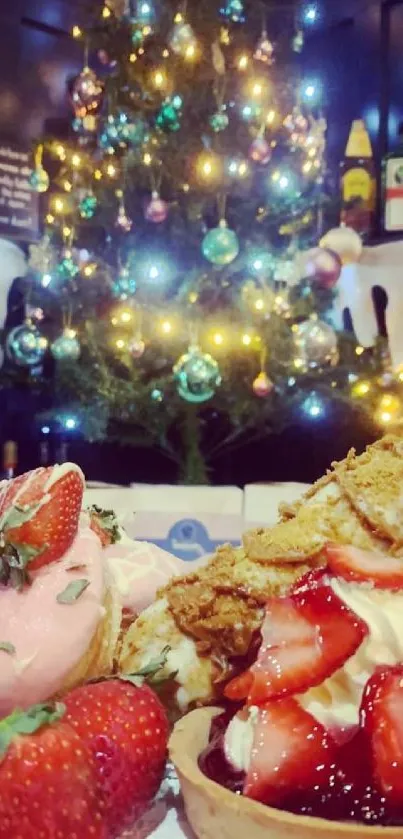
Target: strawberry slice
[(39, 515), (291, 752), (353, 564), (382, 718), (306, 637), (239, 687)]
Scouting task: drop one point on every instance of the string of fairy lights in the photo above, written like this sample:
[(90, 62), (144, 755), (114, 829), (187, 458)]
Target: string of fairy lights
[(112, 142)]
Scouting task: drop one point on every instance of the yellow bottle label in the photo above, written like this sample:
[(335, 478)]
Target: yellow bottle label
[(358, 183)]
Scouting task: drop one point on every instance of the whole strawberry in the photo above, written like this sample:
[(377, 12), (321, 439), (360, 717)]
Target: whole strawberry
[(126, 728), (47, 779), (39, 517)]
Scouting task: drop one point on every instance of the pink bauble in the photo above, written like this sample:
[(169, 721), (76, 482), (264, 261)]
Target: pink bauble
[(157, 209), (322, 266), (262, 385), (136, 348), (260, 151)]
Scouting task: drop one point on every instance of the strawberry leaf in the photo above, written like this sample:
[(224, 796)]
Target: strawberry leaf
[(16, 516), (28, 722), (108, 521), (72, 592), (7, 647)]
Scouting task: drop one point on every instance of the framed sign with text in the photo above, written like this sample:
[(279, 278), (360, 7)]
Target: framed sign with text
[(19, 204)]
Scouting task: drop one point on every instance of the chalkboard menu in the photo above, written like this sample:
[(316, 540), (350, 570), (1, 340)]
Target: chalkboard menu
[(19, 204)]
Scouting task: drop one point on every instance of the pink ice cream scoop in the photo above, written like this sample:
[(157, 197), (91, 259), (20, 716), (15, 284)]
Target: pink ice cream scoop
[(139, 569), (43, 639)]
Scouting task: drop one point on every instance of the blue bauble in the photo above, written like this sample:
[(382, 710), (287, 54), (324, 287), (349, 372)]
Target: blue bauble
[(124, 285), (169, 115), (197, 375), (67, 269), (220, 245), (66, 347), (121, 131), (157, 395), (250, 112), (25, 345), (143, 12), (233, 10), (219, 121), (87, 206), (39, 179)]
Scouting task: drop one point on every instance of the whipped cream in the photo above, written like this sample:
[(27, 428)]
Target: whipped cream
[(336, 702)]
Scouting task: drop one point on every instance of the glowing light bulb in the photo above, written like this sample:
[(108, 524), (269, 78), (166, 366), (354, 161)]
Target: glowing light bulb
[(61, 152), (165, 53), (361, 388), (45, 429), (147, 159), (193, 297), (218, 339), (207, 168), (243, 61), (76, 31), (49, 218), (70, 423), (359, 350), (126, 317), (178, 17), (67, 186), (190, 52), (385, 417), (257, 90), (120, 344), (66, 231), (159, 79), (259, 304), (284, 182), (307, 167), (111, 170), (106, 12), (166, 327), (246, 340), (98, 174), (146, 31), (46, 280), (154, 272), (313, 406), (89, 270), (186, 187), (59, 205), (271, 116), (311, 14), (76, 161), (132, 58)]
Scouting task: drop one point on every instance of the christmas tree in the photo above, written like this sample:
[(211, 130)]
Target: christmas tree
[(179, 274)]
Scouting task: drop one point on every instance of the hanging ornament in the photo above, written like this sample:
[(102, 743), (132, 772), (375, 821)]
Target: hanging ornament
[(251, 111), (143, 12), (260, 151), (123, 221), (182, 39), (298, 41), (219, 121), (25, 345), (136, 347), (157, 395), (67, 268), (197, 375), (43, 256), (316, 344), (87, 93), (169, 115), (220, 245), (88, 206), (66, 347), (262, 385), (39, 178), (233, 10), (156, 209), (264, 49), (120, 131), (345, 242), (125, 285), (321, 266)]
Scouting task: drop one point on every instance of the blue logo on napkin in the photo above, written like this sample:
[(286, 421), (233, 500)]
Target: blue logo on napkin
[(188, 539)]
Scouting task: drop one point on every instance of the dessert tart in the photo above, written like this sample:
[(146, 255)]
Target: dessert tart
[(311, 739), (211, 618)]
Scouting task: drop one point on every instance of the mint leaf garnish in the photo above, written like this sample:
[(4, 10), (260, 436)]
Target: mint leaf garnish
[(7, 647), (72, 592)]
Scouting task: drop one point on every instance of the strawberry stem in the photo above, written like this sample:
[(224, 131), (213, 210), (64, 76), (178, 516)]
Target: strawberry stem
[(28, 722)]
